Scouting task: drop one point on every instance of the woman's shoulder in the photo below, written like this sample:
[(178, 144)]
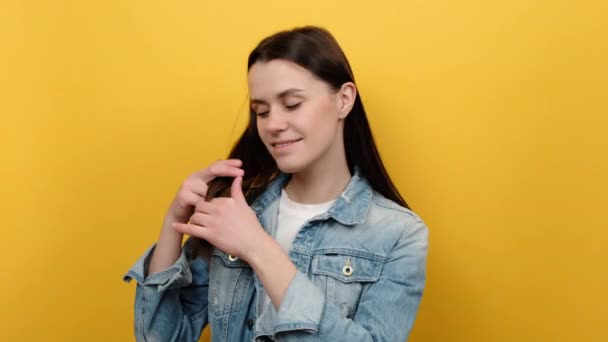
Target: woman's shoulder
[(387, 230), (392, 221), (387, 207)]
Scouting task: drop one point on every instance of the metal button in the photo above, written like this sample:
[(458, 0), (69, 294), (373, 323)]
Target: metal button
[(249, 324), (347, 269), (232, 258)]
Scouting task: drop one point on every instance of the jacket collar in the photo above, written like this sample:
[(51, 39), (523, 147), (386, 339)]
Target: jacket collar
[(350, 207)]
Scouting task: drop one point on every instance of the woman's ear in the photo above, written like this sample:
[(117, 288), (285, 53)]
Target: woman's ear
[(346, 99)]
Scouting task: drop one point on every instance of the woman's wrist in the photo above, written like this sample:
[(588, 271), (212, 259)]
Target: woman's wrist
[(260, 250), (268, 256), (274, 268)]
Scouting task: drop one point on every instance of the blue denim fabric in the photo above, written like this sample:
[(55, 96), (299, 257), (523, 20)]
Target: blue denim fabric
[(385, 244)]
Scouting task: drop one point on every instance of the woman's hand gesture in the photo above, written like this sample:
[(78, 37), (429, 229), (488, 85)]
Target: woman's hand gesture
[(228, 223), (194, 188)]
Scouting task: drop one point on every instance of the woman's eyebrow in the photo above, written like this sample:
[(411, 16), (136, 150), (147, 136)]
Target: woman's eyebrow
[(280, 95)]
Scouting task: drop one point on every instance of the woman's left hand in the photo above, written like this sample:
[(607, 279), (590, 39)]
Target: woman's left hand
[(227, 223)]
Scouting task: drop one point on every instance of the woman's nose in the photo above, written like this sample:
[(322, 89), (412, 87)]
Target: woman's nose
[(276, 121)]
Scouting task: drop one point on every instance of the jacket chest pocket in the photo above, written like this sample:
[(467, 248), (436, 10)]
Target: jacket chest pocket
[(229, 280), (345, 275)]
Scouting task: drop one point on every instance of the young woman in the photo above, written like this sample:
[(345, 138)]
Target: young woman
[(300, 235)]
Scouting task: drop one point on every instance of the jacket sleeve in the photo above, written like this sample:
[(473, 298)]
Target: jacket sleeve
[(170, 305), (386, 310)]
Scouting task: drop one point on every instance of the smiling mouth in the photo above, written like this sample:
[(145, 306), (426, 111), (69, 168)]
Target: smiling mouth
[(284, 144)]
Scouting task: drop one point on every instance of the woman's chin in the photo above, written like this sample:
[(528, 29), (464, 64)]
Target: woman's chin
[(287, 167)]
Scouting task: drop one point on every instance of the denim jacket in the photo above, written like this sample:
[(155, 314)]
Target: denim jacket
[(361, 273)]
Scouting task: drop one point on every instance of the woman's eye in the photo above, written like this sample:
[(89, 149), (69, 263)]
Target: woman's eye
[(263, 115), (293, 106)]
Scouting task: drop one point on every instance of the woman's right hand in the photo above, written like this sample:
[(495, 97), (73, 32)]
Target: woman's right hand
[(194, 189)]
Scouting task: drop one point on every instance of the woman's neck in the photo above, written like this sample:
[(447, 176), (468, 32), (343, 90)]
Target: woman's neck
[(318, 184)]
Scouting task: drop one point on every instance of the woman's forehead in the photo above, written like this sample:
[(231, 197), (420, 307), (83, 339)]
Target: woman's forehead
[(270, 79)]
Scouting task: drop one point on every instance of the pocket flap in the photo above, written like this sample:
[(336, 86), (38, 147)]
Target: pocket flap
[(362, 269)]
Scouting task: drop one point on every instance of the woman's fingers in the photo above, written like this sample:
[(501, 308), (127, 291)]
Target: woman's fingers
[(187, 198), (192, 230), (198, 186), (197, 182), (233, 162), (221, 168), (201, 219), (205, 207), (195, 187)]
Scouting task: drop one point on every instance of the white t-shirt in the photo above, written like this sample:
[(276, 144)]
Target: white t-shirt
[(291, 217)]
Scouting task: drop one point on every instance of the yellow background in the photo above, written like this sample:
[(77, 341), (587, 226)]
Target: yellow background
[(491, 117)]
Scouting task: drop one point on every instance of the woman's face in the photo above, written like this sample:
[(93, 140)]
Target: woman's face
[(298, 115)]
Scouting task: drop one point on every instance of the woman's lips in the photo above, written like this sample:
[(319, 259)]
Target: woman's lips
[(284, 146)]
